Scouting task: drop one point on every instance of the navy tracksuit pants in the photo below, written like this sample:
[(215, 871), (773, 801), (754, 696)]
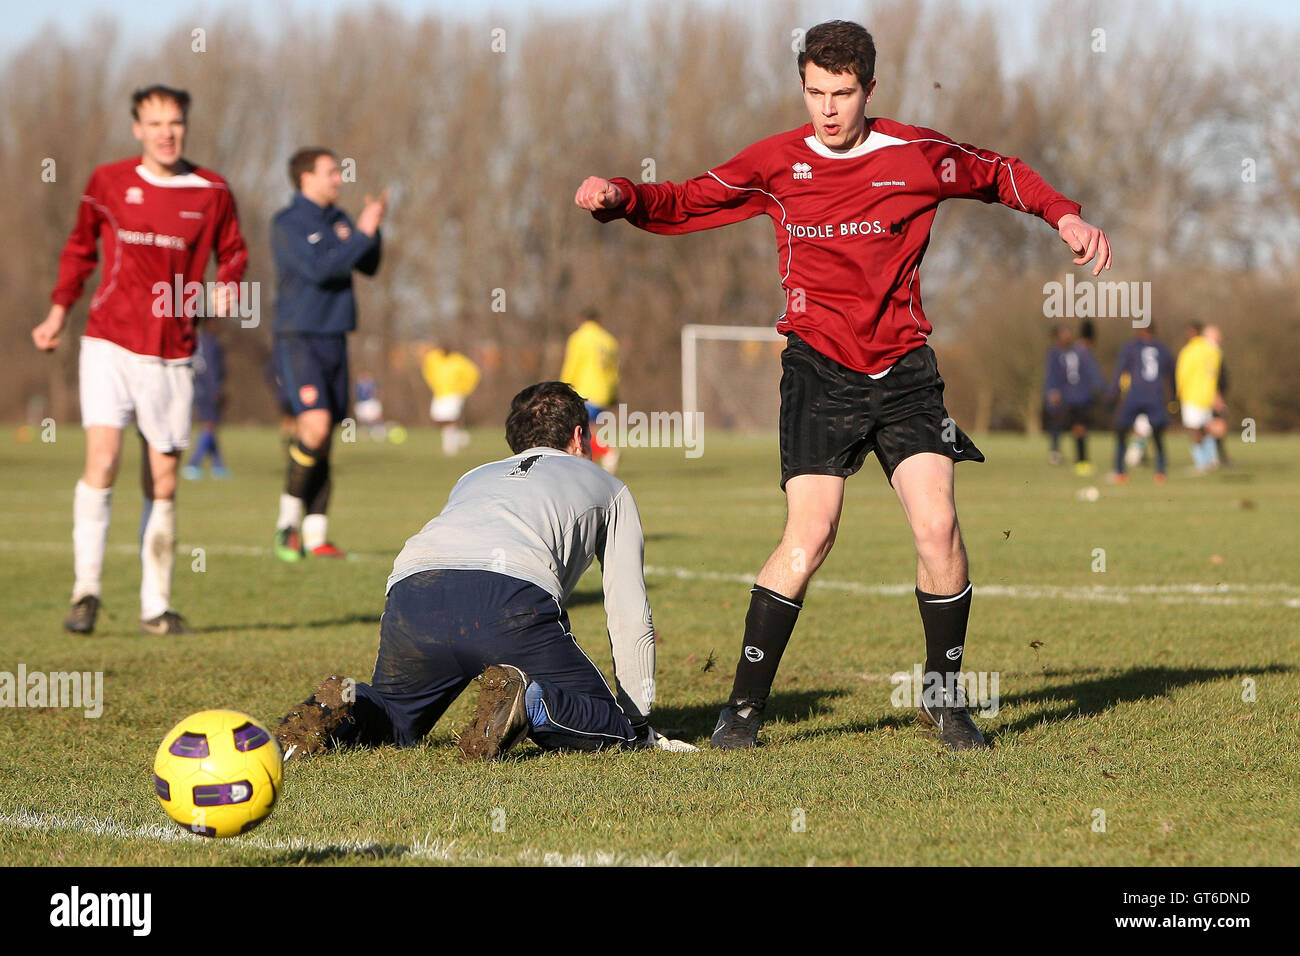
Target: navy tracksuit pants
[(442, 628)]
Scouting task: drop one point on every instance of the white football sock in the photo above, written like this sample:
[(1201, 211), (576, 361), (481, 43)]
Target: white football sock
[(291, 509), (91, 509), (450, 440), (157, 555), (313, 531)]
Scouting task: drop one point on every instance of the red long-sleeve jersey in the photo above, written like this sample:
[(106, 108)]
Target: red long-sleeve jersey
[(153, 229), (851, 228)]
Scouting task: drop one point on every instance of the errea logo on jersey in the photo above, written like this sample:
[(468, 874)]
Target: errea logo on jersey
[(134, 196), (802, 171)]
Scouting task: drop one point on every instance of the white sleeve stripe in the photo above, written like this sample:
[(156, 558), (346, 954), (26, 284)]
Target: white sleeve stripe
[(982, 159)]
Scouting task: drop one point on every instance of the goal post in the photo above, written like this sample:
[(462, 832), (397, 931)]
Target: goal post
[(732, 373)]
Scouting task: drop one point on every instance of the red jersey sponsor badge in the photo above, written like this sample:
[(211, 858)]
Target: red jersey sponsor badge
[(342, 231), (308, 395)]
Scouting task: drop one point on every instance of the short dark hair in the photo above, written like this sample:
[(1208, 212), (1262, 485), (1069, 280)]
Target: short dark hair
[(544, 416), (180, 97), (840, 46), (304, 161)]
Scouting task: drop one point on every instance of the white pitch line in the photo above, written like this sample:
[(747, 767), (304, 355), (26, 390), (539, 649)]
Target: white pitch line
[(1227, 594), (1256, 595), (423, 848)]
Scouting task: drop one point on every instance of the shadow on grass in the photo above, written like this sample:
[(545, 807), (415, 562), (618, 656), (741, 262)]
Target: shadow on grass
[(1087, 698), (1066, 701), (289, 625), (341, 854), (698, 721)]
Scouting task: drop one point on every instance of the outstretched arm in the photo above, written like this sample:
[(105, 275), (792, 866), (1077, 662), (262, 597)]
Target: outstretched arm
[(728, 193), (970, 172)]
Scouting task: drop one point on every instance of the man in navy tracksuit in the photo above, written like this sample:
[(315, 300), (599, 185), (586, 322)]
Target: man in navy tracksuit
[(316, 248)]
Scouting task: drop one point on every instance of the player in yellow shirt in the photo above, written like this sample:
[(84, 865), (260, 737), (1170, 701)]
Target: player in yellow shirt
[(591, 367), (1197, 378), (451, 377)]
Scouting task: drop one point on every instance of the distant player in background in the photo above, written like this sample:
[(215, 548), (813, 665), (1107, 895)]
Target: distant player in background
[(1054, 379), (209, 400), (591, 367), (480, 591), (1148, 367), (1083, 383), (369, 407), (1197, 378), (316, 248), (452, 377), (160, 219)]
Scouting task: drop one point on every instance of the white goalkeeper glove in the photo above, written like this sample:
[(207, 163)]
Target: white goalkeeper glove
[(647, 736)]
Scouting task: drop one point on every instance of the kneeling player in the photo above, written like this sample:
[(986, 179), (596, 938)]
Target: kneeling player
[(480, 590)]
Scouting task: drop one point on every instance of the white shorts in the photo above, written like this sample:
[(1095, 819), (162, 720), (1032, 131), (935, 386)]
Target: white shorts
[(448, 408), (1196, 416), (118, 385)]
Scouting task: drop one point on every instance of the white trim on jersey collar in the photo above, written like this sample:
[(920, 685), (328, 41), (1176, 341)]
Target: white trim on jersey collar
[(173, 182), (873, 142)]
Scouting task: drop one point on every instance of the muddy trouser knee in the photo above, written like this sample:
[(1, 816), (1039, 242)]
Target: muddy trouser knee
[(442, 628)]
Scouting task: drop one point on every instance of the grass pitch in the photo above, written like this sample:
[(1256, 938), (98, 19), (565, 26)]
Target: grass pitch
[(1160, 692)]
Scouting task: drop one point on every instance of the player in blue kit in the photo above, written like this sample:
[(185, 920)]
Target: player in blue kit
[(316, 249), (1149, 366), (209, 400)]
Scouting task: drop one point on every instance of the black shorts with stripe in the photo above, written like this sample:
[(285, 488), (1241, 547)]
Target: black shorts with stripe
[(832, 416)]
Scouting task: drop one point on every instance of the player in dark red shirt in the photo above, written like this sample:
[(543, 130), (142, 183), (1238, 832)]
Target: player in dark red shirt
[(159, 219), (852, 199)]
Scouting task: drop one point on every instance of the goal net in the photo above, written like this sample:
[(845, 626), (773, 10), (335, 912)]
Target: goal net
[(732, 374)]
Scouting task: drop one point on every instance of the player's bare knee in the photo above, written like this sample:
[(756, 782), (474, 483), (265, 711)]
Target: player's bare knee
[(101, 470), (162, 490), (937, 536), (811, 539)]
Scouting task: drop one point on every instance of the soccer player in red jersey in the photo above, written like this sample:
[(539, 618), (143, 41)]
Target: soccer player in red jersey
[(852, 199), (159, 219)]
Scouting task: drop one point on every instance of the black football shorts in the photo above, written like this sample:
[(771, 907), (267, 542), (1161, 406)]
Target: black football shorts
[(832, 416)]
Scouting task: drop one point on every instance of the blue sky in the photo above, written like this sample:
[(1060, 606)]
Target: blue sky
[(144, 18)]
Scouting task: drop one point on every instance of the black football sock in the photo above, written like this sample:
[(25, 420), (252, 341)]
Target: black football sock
[(320, 501), (768, 626), (1081, 447), (304, 477), (944, 617)]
